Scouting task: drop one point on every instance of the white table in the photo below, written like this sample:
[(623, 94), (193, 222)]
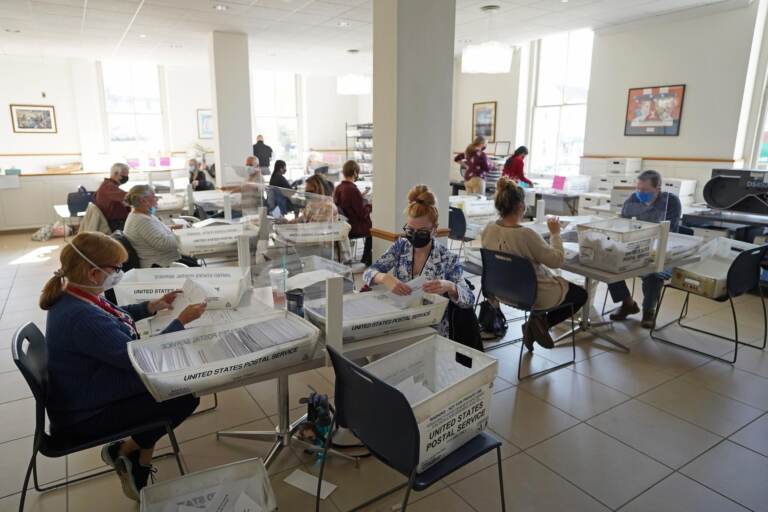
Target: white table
[(62, 211), (593, 274)]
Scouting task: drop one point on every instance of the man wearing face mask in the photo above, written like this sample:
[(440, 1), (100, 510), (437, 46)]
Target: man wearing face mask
[(419, 254), (110, 198), (93, 390), (648, 204)]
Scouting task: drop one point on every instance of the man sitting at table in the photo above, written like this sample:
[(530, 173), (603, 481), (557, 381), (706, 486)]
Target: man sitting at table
[(648, 204), (110, 198)]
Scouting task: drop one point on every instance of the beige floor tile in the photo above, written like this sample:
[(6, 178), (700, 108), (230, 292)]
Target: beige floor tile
[(327, 373), (28, 304), (265, 393), (748, 312), (524, 420), (694, 340), (586, 347), (735, 472), (18, 419), (678, 493), (659, 435), (358, 484), (14, 458), (14, 319), (508, 358), (726, 380), (207, 452), (105, 493), (489, 459), (290, 498), (751, 360), (51, 501), (500, 385), (598, 464), (722, 325), (754, 436), (14, 387), (236, 407), (622, 372), (667, 358), (696, 404), (528, 487), (444, 500), (573, 393), (6, 361)]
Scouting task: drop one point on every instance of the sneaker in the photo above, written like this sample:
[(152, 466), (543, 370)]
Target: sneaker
[(133, 475), (528, 337), (648, 320), (625, 311), (540, 331), (110, 453)]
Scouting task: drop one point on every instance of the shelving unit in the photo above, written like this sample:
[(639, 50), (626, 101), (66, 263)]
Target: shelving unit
[(360, 147)]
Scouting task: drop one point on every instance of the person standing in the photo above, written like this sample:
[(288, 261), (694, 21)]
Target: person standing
[(350, 202), (263, 153), (515, 165), (110, 198), (477, 166)]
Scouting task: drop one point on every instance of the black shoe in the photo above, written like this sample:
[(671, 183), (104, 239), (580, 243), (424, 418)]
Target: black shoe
[(110, 453), (133, 476), (625, 311), (540, 330), (528, 337), (648, 320)]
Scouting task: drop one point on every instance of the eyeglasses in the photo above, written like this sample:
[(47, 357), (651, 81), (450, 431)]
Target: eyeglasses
[(409, 231), (116, 268)]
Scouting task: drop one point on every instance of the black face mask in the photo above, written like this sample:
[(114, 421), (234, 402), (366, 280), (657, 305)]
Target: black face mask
[(123, 179), (418, 238)]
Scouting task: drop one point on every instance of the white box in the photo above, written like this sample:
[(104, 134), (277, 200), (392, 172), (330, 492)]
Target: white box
[(384, 318), (141, 284), (685, 190), (312, 232), (449, 388), (210, 240), (213, 358), (616, 245), (199, 489), (619, 195), (576, 184), (624, 166), (592, 199), (708, 277), (710, 234)]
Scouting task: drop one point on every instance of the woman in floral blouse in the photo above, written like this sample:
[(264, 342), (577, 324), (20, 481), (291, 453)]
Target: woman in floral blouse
[(419, 254)]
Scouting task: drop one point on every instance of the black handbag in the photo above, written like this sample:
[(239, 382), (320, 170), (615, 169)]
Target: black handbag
[(463, 325), (492, 320)]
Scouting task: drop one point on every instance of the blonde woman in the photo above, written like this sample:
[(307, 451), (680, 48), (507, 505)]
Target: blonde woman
[(92, 388), (477, 166)]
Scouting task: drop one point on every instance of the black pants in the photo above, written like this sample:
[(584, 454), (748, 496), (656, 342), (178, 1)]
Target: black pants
[(125, 414), (116, 225), (577, 296)]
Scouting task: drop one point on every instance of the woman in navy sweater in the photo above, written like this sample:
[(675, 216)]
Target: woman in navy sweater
[(93, 390)]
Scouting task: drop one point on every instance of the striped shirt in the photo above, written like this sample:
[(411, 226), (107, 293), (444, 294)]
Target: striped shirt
[(153, 241)]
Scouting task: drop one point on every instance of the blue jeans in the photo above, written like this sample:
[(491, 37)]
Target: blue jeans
[(652, 285)]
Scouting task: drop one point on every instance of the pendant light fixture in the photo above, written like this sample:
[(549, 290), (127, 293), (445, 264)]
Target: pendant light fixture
[(490, 57)]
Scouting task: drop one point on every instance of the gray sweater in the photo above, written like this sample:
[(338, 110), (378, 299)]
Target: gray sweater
[(153, 241)]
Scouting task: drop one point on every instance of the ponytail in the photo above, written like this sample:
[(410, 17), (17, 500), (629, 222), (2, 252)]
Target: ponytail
[(509, 196), (52, 291)]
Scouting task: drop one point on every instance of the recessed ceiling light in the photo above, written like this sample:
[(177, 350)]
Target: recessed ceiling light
[(353, 50), (487, 8), (221, 7), (344, 24), (142, 36), (564, 1), (13, 30)]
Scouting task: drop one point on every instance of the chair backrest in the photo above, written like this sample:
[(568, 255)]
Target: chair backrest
[(133, 258), (32, 361), (744, 274), (94, 220), (457, 223), (684, 230), (509, 278), (377, 413)]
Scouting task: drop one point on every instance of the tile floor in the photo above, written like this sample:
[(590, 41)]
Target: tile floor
[(658, 429)]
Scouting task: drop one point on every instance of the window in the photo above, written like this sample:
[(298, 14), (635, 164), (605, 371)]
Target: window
[(133, 106), (560, 109), (275, 113)]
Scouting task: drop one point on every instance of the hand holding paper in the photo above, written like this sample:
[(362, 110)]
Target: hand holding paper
[(196, 292)]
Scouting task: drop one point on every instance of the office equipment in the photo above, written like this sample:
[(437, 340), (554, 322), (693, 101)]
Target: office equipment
[(502, 149), (623, 166)]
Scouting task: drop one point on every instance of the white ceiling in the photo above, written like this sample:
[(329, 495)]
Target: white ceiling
[(303, 35)]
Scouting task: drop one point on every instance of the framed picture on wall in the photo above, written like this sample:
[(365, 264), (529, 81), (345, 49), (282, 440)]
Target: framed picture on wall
[(484, 120), (33, 119), (204, 124), (654, 110)]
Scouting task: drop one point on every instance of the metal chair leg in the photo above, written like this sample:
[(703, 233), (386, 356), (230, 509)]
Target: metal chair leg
[(175, 447), (408, 491), (26, 480), (322, 465), (211, 408), (554, 368), (501, 480)]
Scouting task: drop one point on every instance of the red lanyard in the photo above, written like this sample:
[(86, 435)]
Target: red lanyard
[(106, 306)]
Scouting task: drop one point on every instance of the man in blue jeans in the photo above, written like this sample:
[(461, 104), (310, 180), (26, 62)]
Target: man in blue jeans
[(649, 204)]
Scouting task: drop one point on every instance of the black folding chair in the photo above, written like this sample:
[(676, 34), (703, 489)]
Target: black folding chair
[(382, 419), (457, 227), (743, 276), (512, 280), (32, 362)]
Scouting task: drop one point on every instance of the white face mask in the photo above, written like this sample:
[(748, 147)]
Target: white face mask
[(109, 282)]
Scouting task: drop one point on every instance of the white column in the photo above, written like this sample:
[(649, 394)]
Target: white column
[(231, 95), (413, 44)]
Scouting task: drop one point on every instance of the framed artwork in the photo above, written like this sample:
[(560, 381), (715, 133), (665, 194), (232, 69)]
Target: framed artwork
[(484, 120), (654, 110), (33, 119), (204, 124)]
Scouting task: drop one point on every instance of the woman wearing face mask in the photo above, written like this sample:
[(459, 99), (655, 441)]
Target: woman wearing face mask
[(418, 253), (197, 177), (152, 240), (507, 235), (92, 388)]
